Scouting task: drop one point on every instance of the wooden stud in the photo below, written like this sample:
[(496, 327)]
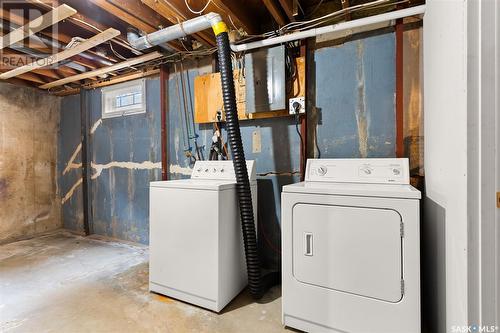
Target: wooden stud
[(345, 4), (105, 70), (400, 150), (68, 53), (164, 74)]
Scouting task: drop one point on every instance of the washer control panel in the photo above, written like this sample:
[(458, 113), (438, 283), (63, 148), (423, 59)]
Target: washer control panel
[(359, 170), (220, 170)]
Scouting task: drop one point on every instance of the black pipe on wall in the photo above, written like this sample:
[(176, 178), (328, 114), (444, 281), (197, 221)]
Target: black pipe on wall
[(258, 284)]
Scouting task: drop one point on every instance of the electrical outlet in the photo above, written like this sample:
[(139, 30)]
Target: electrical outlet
[(301, 101)]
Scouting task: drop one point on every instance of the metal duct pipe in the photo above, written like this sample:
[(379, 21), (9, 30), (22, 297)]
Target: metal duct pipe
[(340, 27), (180, 30)]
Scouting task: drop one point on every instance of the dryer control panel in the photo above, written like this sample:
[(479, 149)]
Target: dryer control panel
[(359, 170), (223, 170)]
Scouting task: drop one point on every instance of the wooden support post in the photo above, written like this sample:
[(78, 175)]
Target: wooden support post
[(303, 121), (87, 198), (164, 75), (400, 151)]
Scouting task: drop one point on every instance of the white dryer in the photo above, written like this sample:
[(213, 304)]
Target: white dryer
[(196, 244), (350, 244)]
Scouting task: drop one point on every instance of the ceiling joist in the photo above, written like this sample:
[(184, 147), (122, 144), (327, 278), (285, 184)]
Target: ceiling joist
[(68, 53), (175, 16), (288, 6), (84, 22), (40, 23), (275, 11), (134, 13), (101, 71)]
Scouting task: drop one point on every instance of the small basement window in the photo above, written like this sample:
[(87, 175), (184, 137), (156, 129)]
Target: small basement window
[(124, 99)]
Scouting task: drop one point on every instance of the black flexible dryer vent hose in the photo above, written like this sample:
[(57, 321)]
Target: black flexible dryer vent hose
[(258, 284)]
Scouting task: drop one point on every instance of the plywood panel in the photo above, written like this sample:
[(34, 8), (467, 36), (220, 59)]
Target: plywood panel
[(208, 96)]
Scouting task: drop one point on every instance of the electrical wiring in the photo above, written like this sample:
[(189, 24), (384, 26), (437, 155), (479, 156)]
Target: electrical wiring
[(116, 53), (359, 10), (337, 13), (297, 121), (308, 24), (197, 12), (224, 146)]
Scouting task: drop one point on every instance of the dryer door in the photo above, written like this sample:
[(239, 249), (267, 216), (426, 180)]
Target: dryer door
[(349, 249)]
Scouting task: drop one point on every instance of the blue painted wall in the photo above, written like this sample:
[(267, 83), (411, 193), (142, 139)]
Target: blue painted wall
[(354, 98), (352, 89), (120, 194)]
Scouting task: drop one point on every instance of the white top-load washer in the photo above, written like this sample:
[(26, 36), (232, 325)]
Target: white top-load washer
[(350, 246), (196, 243)]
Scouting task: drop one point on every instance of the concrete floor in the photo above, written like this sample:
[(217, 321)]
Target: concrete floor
[(60, 282)]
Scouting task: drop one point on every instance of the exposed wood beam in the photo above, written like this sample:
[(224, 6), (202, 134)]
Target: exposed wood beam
[(18, 57), (275, 11), (60, 37), (345, 5), (47, 73), (174, 16), (44, 21), (134, 13), (123, 78), (101, 71), (232, 12), (31, 77), (109, 82), (68, 53), (164, 75), (287, 6), (400, 148), (19, 82), (84, 22)]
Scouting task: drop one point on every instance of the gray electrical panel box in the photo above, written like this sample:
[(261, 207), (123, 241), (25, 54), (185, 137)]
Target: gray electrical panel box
[(265, 80)]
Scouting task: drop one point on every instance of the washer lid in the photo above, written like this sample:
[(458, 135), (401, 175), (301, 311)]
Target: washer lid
[(196, 184), (355, 189)]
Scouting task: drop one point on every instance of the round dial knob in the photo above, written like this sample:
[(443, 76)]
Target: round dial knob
[(322, 170), (396, 171), (367, 171)]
